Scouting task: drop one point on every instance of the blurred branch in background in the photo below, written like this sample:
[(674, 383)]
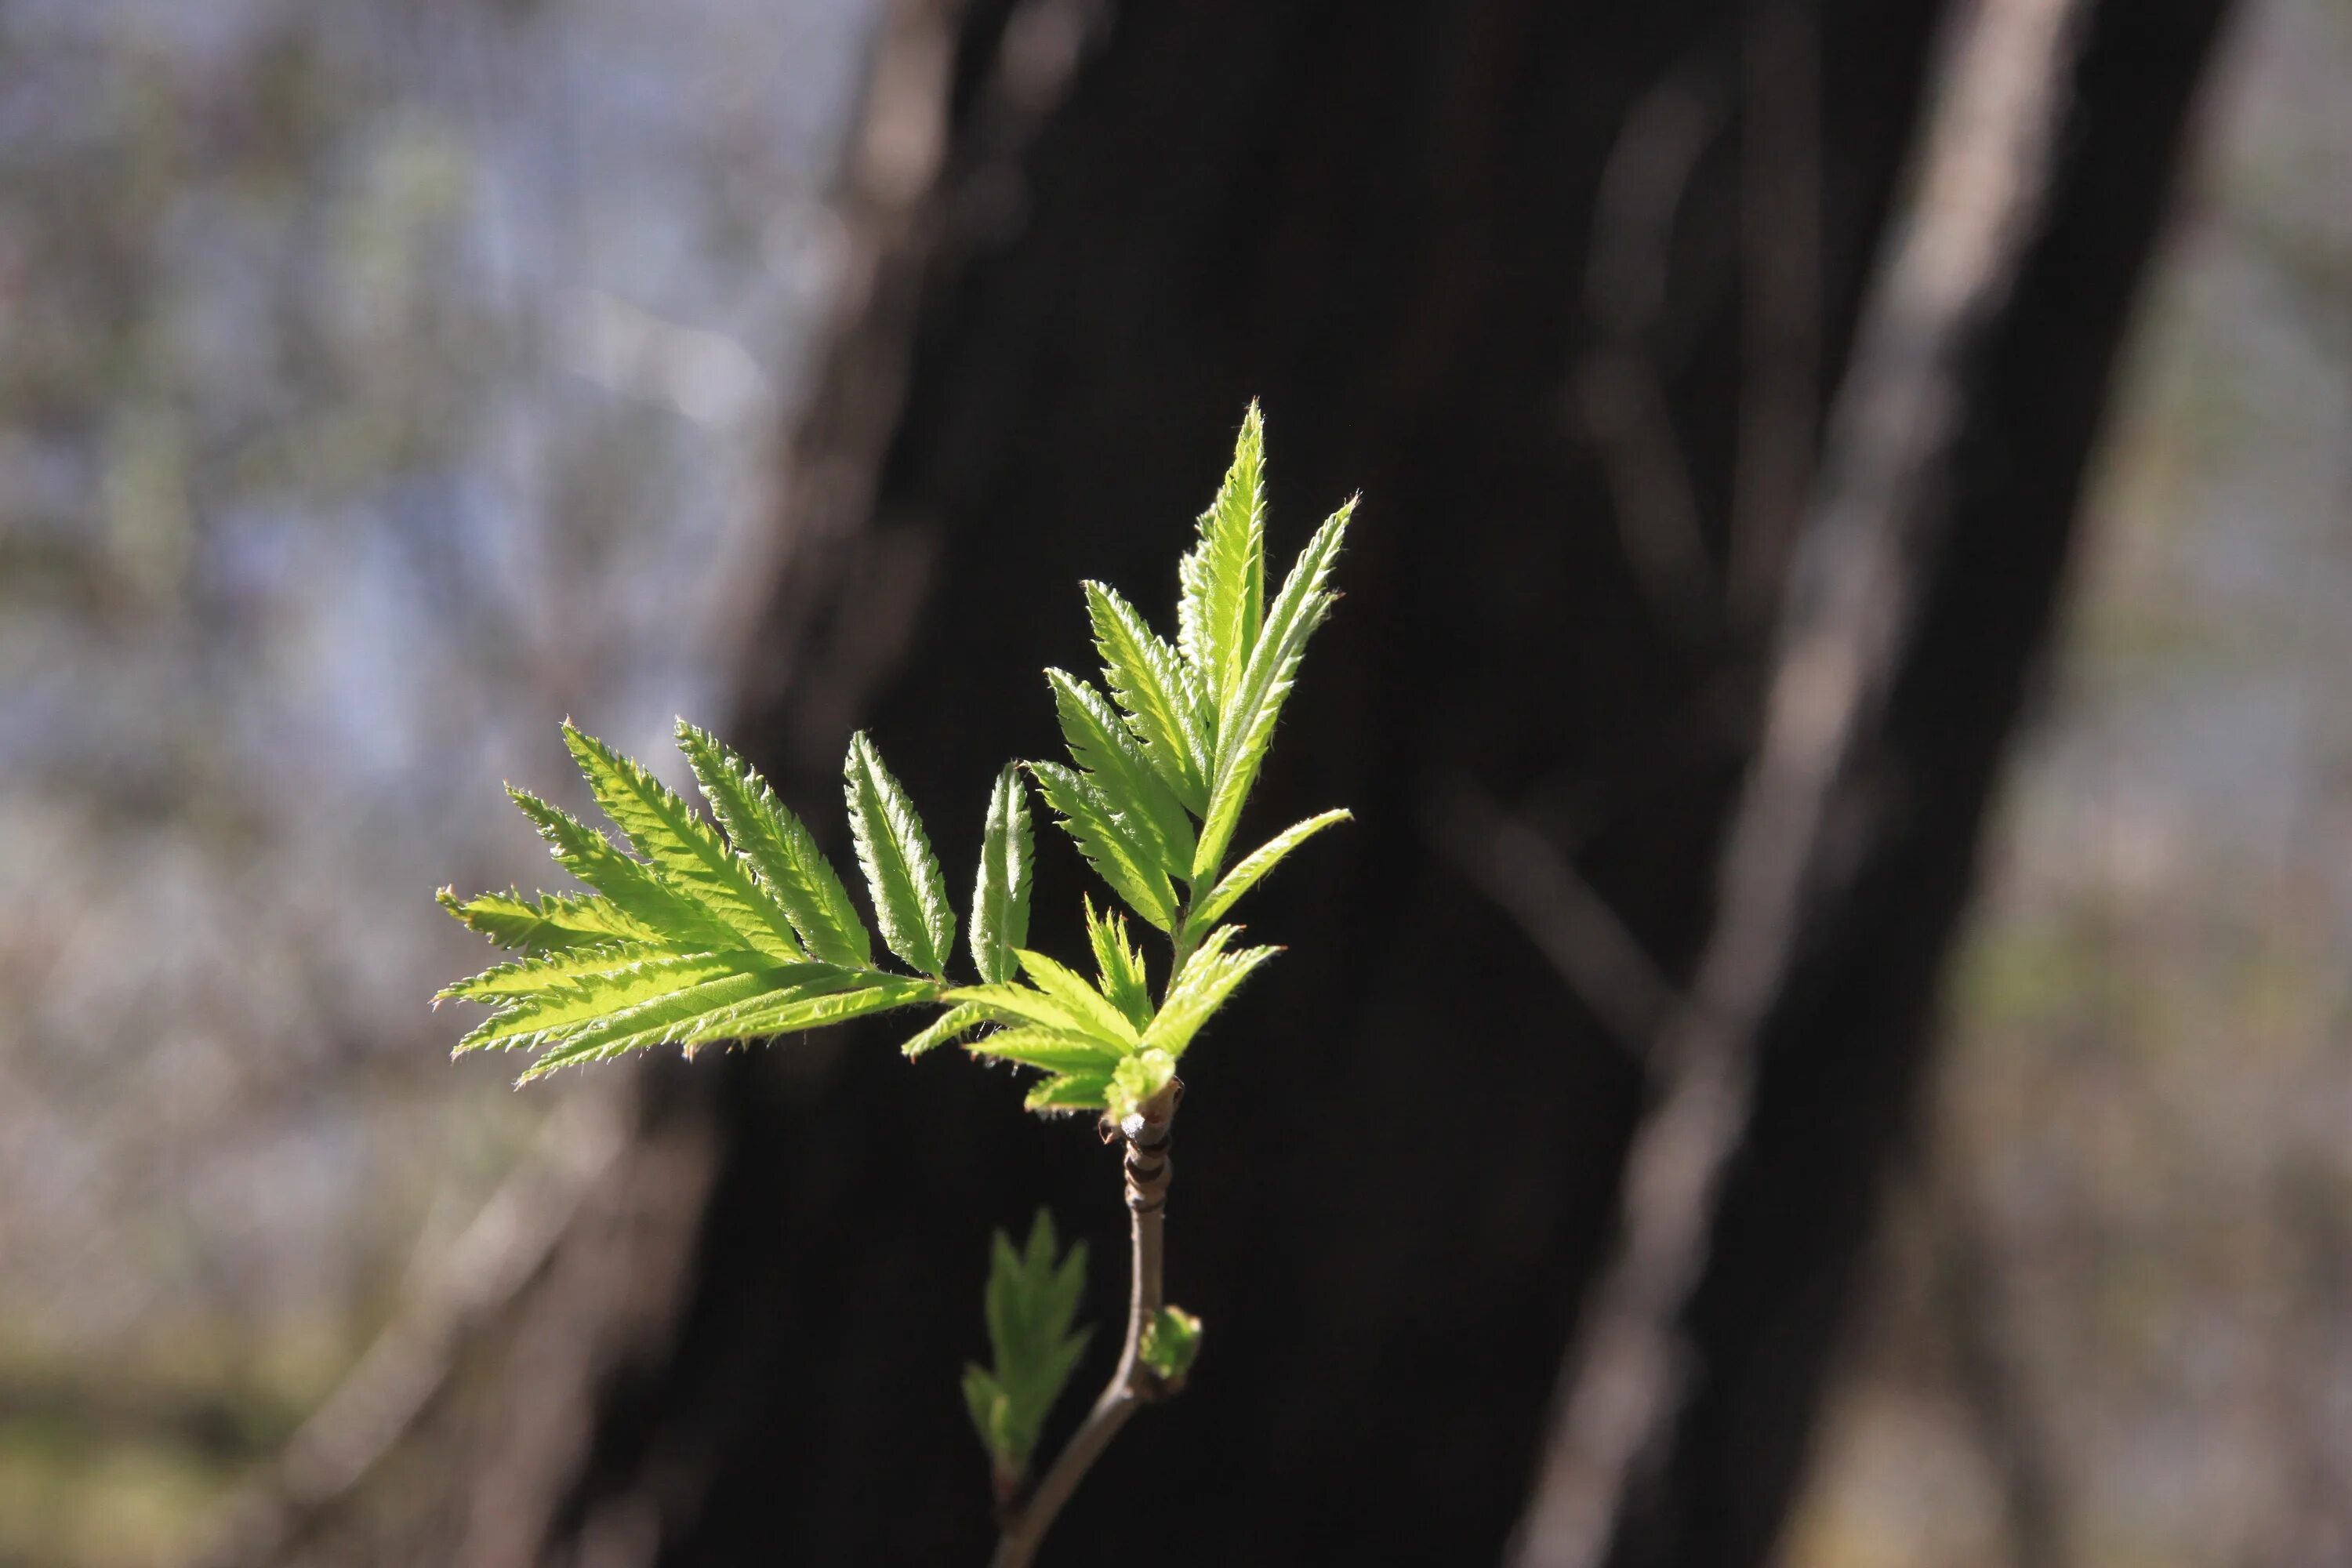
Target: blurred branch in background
[(447, 1301), (378, 383), (1868, 548)]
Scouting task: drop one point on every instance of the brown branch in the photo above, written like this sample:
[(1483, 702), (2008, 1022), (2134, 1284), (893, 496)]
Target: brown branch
[(1618, 392), (1146, 1135), (1846, 619)]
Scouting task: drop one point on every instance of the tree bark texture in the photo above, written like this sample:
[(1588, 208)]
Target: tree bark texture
[(1542, 283)]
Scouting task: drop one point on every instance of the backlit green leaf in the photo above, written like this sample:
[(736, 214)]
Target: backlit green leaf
[(1166, 708), (1256, 864), (910, 895), (1120, 963), (951, 1025), (687, 851), (1101, 744), (792, 869), (1070, 1091), (548, 923), (1247, 731), (1070, 988), (1135, 1081), (1208, 978), (1223, 578), (1118, 854), (633, 888), (1000, 903)]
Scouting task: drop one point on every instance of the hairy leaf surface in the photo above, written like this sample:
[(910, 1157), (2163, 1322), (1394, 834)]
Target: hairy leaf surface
[(687, 851), (548, 923), (1101, 744), (1247, 731), (1125, 981), (1165, 707), (910, 895), (634, 888), (1031, 1303), (1223, 577), (1208, 979), (1117, 851), (951, 1025), (792, 869), (1000, 903), (1068, 986), (1025, 1007), (1071, 1092), (1046, 1048), (1256, 864)]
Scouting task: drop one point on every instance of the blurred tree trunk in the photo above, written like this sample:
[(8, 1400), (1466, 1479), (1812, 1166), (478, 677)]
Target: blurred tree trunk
[(1561, 290)]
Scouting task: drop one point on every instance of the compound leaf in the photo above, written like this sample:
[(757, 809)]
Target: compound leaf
[(1031, 1305), (1071, 1092)]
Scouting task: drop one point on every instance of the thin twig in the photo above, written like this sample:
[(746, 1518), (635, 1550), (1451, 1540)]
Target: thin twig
[(1146, 1135), (1847, 619), (1601, 961)]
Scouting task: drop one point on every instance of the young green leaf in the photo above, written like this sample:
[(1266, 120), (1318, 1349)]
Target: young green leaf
[(1171, 1343), (1000, 903), (1046, 1050), (951, 1025), (793, 870), (910, 895), (634, 888), (1103, 1020), (548, 923), (1019, 1005), (1116, 850), (569, 1007), (728, 1010), (1071, 1092), (1256, 864), (675, 1017), (541, 971), (1223, 577), (1246, 729), (818, 1004), (1101, 745), (1120, 964), (1136, 1080), (1030, 1304), (1208, 978), (686, 850), (1166, 708)]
